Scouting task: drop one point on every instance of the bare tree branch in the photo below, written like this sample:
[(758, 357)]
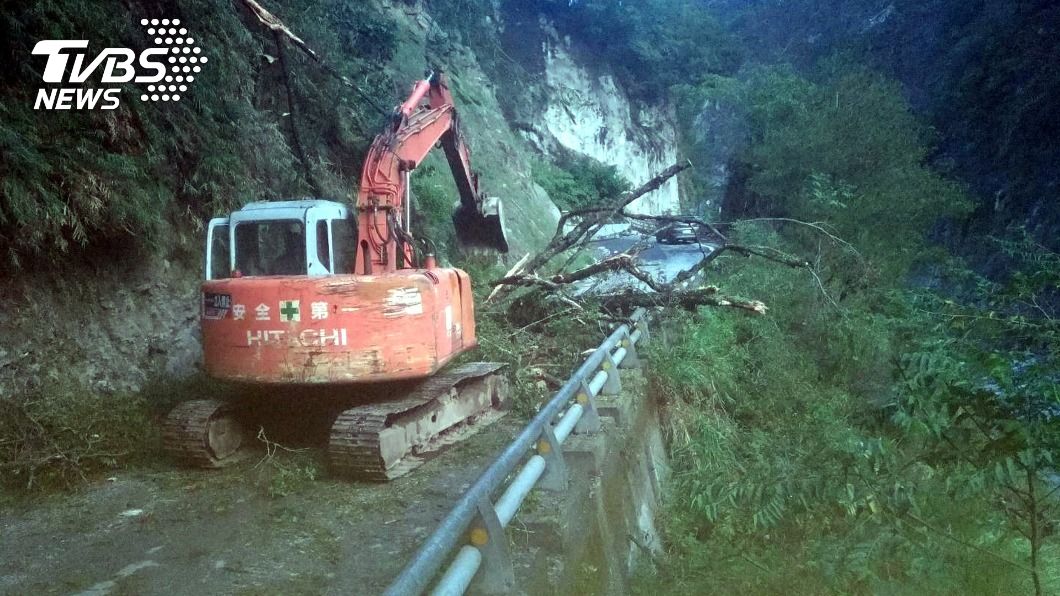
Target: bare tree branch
[(662, 293), (688, 300), (275, 25), (622, 262), (562, 241), (817, 226), (516, 268), (626, 262)]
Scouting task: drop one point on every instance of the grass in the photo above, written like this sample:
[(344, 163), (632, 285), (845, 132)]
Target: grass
[(280, 474), (64, 435)]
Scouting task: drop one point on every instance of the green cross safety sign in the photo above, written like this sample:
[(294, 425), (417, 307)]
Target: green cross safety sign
[(289, 311)]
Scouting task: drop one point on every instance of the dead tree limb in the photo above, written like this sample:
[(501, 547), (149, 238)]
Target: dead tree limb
[(275, 25), (818, 227), (768, 253), (662, 293), (563, 241), (527, 281), (516, 268), (622, 262), (688, 300), (626, 262), (270, 21)]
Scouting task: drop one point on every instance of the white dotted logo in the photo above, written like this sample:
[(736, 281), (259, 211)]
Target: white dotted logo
[(166, 69), (184, 60)]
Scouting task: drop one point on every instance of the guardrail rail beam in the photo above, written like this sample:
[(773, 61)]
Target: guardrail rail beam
[(613, 385)]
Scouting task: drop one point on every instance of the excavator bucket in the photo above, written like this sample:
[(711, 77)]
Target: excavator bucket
[(483, 227)]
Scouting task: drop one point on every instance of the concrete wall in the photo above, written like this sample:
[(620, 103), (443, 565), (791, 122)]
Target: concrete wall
[(588, 539)]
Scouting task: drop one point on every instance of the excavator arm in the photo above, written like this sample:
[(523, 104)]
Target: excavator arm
[(383, 200)]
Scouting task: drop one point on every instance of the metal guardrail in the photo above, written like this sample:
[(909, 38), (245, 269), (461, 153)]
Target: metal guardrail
[(476, 523)]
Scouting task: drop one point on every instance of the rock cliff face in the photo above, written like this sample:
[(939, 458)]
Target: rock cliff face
[(109, 326), (587, 112), (718, 134)]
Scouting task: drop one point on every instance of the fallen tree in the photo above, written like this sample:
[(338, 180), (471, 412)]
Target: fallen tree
[(687, 299), (528, 272)]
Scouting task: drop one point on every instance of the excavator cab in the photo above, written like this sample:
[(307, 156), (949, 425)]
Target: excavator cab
[(307, 237), (282, 302)]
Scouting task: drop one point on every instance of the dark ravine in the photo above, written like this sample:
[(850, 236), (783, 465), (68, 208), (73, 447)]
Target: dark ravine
[(979, 72)]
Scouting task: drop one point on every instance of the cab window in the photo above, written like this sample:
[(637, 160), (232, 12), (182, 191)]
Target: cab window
[(344, 237), (275, 247), (323, 246), (218, 255)]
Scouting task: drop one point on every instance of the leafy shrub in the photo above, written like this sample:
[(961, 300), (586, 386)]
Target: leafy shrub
[(580, 181), (790, 473), (433, 196), (785, 483), (536, 335), (283, 473), (844, 150)]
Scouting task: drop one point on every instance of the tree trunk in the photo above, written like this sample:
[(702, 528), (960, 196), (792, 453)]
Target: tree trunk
[(1035, 538)]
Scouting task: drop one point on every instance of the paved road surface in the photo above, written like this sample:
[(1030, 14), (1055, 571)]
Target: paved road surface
[(661, 261)]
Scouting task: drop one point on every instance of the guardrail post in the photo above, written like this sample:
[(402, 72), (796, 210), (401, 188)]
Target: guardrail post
[(590, 420), (631, 360), (613, 384), (496, 574), (555, 476)]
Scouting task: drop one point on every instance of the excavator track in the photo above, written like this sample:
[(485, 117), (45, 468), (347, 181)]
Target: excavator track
[(202, 433), (382, 441)]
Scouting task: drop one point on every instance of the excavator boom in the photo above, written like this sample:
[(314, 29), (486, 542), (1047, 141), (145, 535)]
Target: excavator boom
[(383, 200)]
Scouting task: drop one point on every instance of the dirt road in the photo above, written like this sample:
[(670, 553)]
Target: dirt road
[(260, 527)]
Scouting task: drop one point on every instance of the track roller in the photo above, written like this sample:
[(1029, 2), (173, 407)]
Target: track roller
[(203, 433), (382, 441)]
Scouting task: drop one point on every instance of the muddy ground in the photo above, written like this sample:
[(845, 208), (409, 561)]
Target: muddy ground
[(262, 526)]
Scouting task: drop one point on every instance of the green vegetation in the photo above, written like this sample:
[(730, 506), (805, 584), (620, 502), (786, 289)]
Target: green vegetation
[(862, 437), (844, 150), (540, 340), (280, 474), (981, 73), (121, 176), (901, 443), (579, 182), (651, 44), (433, 196), (64, 434), (865, 436)]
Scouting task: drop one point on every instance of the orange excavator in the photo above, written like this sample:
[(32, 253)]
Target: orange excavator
[(313, 297)]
